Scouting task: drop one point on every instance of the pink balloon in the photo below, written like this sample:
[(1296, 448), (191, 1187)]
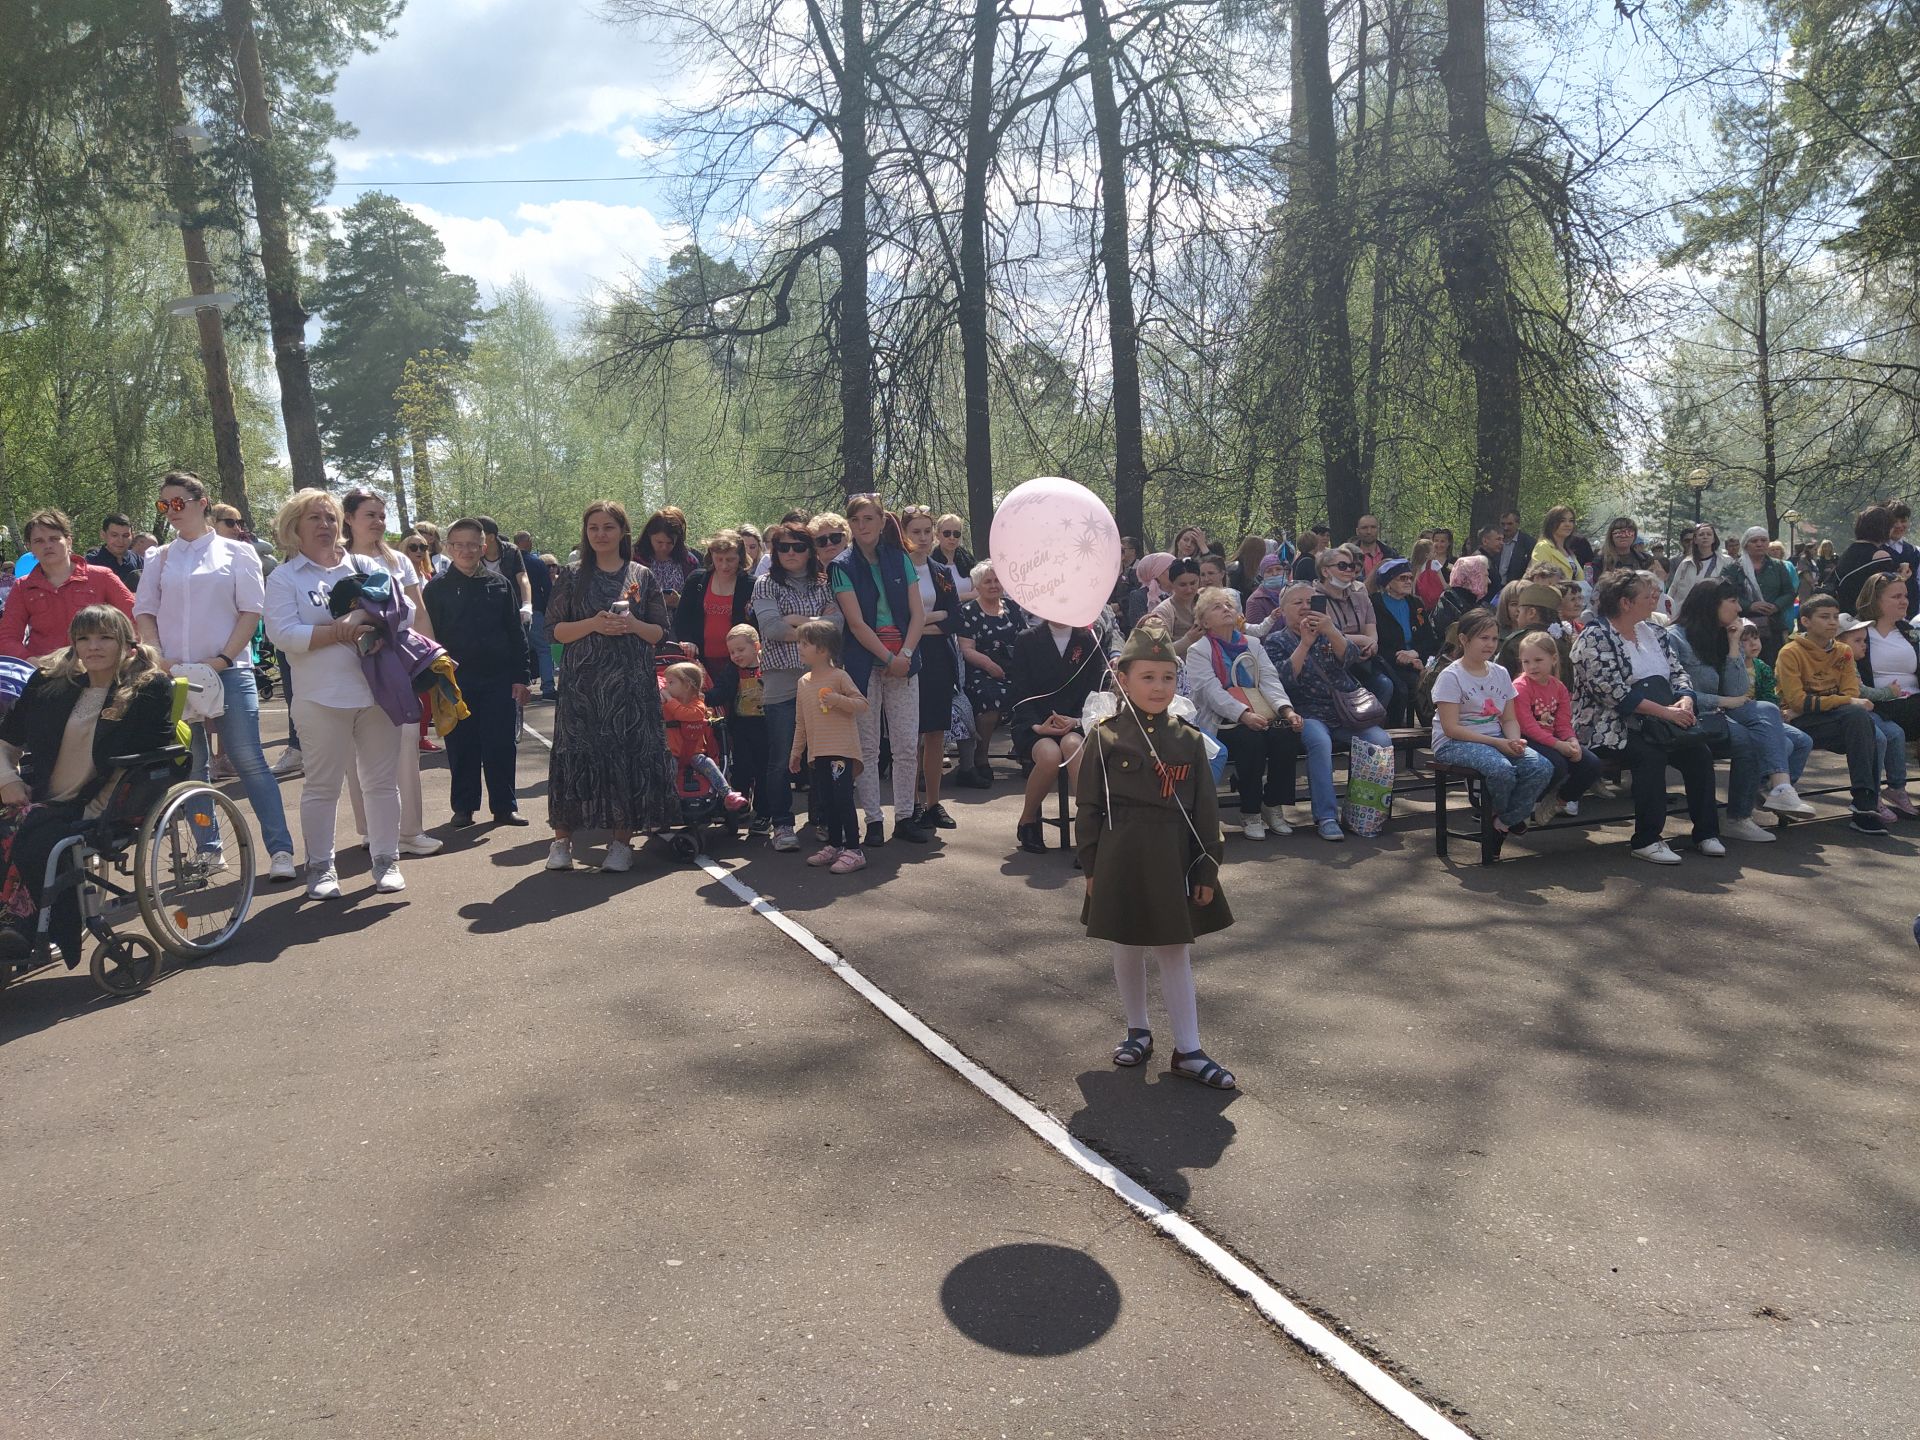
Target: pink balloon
[(1056, 549)]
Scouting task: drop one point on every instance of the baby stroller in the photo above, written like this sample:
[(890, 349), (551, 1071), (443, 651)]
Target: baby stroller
[(701, 805)]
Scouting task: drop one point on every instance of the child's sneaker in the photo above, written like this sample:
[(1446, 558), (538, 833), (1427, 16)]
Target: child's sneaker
[(735, 802), (825, 855), (849, 861)]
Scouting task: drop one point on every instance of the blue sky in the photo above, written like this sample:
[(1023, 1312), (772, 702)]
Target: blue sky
[(516, 90)]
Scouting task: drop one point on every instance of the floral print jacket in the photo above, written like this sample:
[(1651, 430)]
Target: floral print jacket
[(1602, 675)]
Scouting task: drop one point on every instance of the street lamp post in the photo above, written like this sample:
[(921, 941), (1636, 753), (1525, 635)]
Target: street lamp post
[(1792, 517), (1698, 481)]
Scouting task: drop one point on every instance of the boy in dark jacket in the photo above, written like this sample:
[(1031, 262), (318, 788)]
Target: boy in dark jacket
[(476, 616)]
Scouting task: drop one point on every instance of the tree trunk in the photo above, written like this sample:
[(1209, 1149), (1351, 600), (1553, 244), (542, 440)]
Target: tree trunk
[(399, 485), (423, 500), (1282, 388), (1123, 330), (855, 341), (1386, 256), (1475, 268), (287, 318), (1326, 235), (1763, 345), (193, 239), (972, 299)]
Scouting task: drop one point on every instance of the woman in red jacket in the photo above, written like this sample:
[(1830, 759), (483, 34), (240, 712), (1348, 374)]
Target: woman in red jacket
[(43, 602)]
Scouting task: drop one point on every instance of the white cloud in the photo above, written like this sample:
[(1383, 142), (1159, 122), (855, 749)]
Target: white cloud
[(570, 250), (632, 145), (465, 78)]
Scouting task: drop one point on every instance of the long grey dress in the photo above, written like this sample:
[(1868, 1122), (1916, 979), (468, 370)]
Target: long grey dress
[(610, 769)]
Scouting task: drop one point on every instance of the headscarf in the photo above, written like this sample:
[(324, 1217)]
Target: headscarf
[(1746, 560), (1149, 571), (1470, 573)]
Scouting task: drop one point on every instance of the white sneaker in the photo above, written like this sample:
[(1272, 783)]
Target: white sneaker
[(418, 845), (1573, 808), (1783, 799), (1252, 829), (288, 765), (619, 857), (1745, 829), (387, 879), (560, 855), (1659, 853), (1713, 848), (1275, 820), (322, 883), (281, 867)]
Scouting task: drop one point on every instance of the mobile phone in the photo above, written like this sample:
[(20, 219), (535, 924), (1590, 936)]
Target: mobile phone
[(1318, 604)]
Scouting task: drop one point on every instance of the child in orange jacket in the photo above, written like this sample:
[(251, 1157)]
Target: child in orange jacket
[(690, 731)]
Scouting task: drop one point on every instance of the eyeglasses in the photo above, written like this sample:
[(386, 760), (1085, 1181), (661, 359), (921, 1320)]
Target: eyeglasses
[(833, 537), (416, 549), (161, 507), (1341, 565), (792, 547), (949, 534), (223, 521)]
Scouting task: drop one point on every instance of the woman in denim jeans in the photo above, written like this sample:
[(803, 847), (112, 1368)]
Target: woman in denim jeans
[(793, 591), (200, 601), (1768, 754), (1310, 654)]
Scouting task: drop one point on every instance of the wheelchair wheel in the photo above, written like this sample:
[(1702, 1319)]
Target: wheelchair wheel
[(686, 848), (125, 964), (193, 870)]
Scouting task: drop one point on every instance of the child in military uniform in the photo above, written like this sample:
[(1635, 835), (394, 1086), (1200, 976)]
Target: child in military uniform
[(1149, 828)]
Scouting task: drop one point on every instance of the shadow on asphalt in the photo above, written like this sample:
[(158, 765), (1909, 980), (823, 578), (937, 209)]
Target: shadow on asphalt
[(1153, 1126), (1031, 1299)]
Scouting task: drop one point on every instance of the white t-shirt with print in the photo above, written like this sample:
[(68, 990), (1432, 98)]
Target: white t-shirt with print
[(1482, 699)]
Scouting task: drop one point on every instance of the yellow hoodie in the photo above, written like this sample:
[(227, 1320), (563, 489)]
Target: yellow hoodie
[(1811, 679)]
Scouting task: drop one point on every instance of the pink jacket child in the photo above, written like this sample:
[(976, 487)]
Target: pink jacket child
[(1544, 709)]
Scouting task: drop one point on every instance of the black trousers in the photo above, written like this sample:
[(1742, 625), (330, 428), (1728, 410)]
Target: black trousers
[(45, 827), (482, 744), (1850, 731), (831, 799), (747, 737), (1649, 764), (1263, 764)]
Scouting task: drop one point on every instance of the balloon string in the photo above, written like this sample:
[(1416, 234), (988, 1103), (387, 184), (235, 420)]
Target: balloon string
[(1123, 698)]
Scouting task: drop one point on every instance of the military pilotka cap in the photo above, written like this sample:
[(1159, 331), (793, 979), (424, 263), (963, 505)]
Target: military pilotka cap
[(1544, 597), (1148, 642)]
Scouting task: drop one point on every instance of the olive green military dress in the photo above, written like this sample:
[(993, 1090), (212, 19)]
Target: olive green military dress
[(1135, 842)]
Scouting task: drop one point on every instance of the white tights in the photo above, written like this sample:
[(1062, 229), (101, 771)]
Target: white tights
[(1176, 989)]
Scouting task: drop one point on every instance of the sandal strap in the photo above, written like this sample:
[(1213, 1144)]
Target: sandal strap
[(1135, 1048), (1210, 1072)]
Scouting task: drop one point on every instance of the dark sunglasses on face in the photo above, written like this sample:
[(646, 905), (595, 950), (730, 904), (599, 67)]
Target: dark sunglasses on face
[(416, 549), (792, 547), (1341, 565), (949, 534), (834, 537), (162, 506)]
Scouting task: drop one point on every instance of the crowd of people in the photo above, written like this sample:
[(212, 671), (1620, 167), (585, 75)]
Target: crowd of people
[(845, 655)]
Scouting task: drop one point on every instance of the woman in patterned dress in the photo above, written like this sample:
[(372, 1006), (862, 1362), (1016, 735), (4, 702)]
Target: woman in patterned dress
[(989, 624), (610, 768)]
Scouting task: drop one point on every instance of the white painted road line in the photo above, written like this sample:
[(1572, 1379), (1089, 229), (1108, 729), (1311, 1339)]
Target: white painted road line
[(1304, 1328), (526, 729)]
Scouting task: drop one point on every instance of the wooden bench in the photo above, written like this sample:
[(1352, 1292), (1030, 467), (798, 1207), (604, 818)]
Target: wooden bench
[(1490, 839)]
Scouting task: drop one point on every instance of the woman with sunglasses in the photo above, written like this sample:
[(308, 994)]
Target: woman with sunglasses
[(792, 593), (366, 515), (201, 599), (878, 588), (1350, 610), (829, 533), (949, 541), (942, 591), (438, 562)]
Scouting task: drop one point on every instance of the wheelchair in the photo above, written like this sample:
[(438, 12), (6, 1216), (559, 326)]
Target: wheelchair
[(175, 852)]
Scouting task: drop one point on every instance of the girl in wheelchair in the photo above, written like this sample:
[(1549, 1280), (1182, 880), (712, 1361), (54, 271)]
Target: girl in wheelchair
[(103, 696)]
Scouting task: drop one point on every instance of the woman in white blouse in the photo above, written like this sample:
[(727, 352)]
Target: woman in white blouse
[(340, 725), (366, 516), (199, 603), (1892, 661)]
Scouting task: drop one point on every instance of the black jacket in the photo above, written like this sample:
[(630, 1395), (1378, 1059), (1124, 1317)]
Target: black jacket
[(1520, 562), (690, 626), (127, 566), (1392, 641), (1045, 682), (477, 619), (1863, 560), (37, 724)]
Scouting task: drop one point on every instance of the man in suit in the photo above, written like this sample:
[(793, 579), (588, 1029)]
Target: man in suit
[(1516, 550)]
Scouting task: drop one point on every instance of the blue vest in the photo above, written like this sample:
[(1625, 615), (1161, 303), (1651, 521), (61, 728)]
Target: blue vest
[(857, 660)]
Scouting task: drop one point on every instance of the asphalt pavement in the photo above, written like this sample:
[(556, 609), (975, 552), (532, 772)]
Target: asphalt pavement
[(573, 1155)]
